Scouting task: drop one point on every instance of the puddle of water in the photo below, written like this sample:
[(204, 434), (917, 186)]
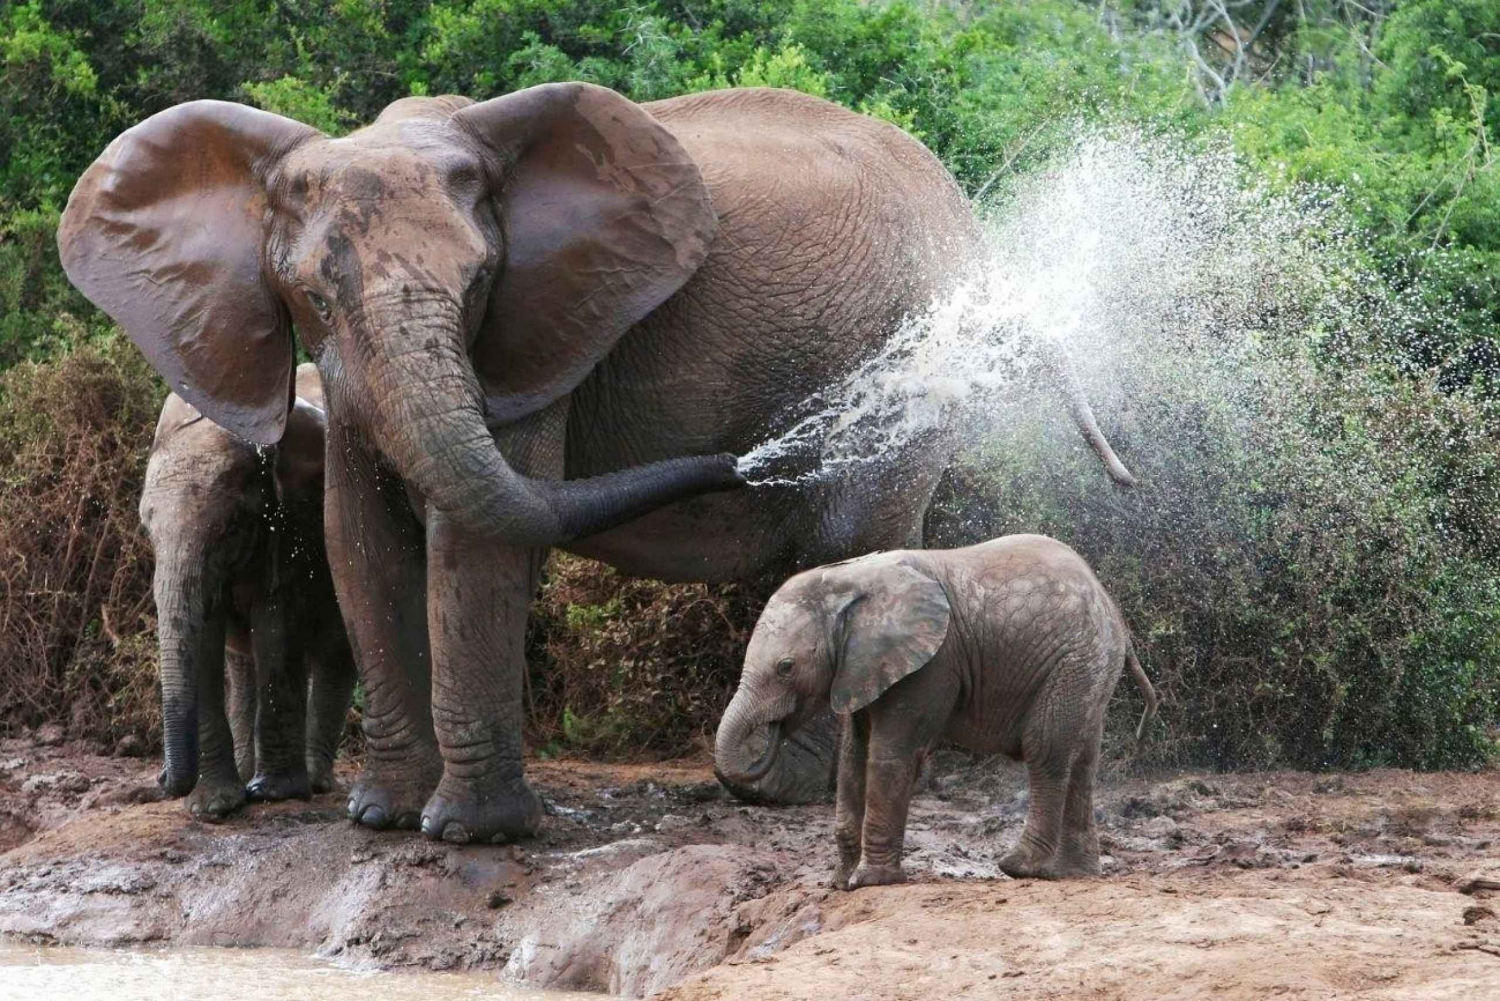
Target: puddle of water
[(29, 973)]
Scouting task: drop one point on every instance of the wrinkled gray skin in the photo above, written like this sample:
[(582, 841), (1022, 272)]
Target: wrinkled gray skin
[(547, 319), (242, 583), (1011, 646)]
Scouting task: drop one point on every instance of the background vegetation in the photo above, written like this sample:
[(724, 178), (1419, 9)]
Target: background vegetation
[(1278, 639)]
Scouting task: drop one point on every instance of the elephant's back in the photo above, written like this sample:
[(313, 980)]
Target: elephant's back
[(1035, 581), (832, 227), (785, 166)]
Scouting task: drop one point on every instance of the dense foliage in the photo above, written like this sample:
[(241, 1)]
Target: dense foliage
[(1279, 640)]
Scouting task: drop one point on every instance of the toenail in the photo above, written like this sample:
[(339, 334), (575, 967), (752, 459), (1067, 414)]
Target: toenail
[(373, 816), (456, 834)]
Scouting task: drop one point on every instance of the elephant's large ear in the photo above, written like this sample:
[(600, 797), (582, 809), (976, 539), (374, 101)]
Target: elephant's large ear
[(605, 215), (891, 625), (165, 232)]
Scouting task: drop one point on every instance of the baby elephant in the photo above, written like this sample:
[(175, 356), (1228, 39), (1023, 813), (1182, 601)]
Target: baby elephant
[(1021, 647), (242, 577)]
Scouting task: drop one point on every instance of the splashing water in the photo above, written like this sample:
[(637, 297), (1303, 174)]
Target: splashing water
[(1124, 239), (1128, 252)]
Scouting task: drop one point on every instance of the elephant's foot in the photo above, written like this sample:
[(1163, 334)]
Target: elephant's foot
[(274, 787), (383, 800), (320, 777), (1028, 863), (214, 799), (458, 815), (848, 862), (875, 875)]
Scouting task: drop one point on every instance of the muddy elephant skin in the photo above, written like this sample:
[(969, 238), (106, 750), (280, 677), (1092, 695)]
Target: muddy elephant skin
[(549, 318), (1011, 646), (242, 583)]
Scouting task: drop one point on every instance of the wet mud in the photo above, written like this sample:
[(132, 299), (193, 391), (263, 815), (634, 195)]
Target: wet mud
[(650, 879)]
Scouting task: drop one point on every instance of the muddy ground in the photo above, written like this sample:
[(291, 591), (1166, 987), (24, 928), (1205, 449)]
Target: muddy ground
[(648, 878)]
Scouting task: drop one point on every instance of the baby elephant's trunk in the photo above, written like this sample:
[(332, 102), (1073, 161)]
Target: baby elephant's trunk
[(1147, 692)]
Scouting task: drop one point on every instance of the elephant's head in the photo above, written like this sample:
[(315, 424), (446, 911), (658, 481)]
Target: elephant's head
[(839, 635), (452, 267), (206, 505)]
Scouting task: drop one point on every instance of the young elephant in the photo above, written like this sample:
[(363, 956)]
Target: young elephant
[(242, 579), (1022, 649)]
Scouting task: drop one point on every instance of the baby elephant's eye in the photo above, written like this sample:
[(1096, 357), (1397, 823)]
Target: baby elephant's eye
[(320, 304), (784, 667)]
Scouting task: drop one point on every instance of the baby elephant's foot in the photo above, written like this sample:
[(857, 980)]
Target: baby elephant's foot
[(214, 800), (320, 775), (1021, 864), (841, 876), (274, 787), (869, 875)]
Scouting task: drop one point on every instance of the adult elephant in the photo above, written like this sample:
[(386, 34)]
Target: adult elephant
[(526, 313)]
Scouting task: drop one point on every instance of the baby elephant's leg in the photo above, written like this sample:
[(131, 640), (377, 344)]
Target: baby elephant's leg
[(889, 779), (850, 803), (1078, 854), (281, 711), (1035, 855), (332, 684)]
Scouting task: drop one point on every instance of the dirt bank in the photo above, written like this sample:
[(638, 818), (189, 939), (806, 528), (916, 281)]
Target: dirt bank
[(649, 879)]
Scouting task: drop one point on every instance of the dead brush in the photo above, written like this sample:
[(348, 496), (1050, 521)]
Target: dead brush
[(77, 639), (622, 667)]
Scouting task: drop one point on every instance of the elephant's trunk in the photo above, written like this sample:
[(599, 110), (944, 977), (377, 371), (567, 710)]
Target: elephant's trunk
[(183, 637), (435, 434), (748, 740), (1058, 366)]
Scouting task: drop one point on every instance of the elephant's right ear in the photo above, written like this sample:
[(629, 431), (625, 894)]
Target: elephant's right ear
[(891, 626), (165, 232)]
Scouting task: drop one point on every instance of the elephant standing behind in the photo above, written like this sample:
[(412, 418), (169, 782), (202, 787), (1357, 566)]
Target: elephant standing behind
[(1011, 646), (551, 318), (242, 581)]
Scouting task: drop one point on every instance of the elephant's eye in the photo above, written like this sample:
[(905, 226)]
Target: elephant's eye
[(320, 304), (784, 667)]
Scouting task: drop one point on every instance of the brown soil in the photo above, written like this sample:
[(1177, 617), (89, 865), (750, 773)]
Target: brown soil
[(648, 878)]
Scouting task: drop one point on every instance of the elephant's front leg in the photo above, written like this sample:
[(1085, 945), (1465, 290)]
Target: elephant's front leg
[(890, 774), (376, 555), (478, 596), (849, 810)]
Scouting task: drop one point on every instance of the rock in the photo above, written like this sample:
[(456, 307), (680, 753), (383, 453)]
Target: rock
[(1159, 827), (130, 746), (1477, 913), (74, 782), (49, 735), (672, 822), (1475, 881)]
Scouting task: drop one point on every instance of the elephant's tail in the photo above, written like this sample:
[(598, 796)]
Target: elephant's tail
[(1147, 692)]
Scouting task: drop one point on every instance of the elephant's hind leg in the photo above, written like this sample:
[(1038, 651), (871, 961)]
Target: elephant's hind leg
[(332, 686), (1078, 854), (1035, 855)]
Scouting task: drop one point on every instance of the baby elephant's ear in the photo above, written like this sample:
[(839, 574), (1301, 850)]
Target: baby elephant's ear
[(895, 626)]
